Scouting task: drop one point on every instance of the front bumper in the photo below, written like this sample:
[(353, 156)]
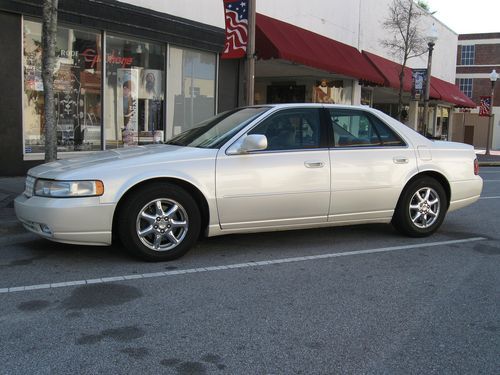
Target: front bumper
[(69, 220)]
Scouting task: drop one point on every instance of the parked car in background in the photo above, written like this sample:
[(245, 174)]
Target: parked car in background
[(253, 169)]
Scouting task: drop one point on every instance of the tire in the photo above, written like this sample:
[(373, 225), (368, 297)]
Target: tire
[(159, 222), (421, 208)]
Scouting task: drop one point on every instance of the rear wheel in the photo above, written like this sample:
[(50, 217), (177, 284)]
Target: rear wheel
[(421, 208), (159, 222)]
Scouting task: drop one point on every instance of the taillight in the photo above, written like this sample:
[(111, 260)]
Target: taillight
[(476, 167)]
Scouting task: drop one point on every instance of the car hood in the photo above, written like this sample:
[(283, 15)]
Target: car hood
[(123, 157)]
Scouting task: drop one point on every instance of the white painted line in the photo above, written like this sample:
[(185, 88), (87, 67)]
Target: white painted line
[(498, 196), (490, 180), (236, 266)]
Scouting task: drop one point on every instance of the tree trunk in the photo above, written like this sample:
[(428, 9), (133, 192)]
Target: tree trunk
[(49, 36), (400, 94)]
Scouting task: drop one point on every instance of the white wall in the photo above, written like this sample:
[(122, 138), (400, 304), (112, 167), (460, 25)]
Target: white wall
[(355, 22), (210, 12)]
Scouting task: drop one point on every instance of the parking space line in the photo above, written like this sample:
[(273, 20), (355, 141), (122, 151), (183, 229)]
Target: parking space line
[(263, 263), (496, 197), (485, 180)]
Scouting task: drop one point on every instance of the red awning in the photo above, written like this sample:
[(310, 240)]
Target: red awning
[(440, 90), (451, 93), (390, 71), (281, 40)]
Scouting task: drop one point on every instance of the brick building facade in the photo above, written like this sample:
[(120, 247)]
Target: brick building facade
[(477, 56)]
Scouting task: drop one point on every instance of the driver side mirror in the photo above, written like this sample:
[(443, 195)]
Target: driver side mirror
[(248, 143)]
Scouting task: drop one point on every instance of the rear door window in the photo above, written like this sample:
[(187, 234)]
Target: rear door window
[(354, 128)]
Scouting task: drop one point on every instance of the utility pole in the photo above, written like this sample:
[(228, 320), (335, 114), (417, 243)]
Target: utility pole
[(250, 76)]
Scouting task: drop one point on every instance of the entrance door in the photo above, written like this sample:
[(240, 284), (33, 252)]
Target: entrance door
[(469, 135)]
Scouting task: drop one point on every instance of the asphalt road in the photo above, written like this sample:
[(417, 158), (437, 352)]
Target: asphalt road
[(356, 300)]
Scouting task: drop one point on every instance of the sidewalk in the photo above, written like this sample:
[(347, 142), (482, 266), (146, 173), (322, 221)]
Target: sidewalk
[(492, 160), (10, 188)]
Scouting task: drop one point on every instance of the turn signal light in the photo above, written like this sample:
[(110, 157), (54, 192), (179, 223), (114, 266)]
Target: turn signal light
[(99, 187), (476, 167)]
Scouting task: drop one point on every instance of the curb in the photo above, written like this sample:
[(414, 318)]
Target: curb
[(489, 163)]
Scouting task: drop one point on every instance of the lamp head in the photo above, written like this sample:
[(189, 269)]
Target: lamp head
[(432, 35), (493, 76)]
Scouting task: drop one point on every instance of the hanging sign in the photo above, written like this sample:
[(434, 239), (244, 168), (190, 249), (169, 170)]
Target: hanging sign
[(236, 15), (418, 78), (485, 107)]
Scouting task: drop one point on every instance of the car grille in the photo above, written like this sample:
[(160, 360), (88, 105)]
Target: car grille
[(29, 186)]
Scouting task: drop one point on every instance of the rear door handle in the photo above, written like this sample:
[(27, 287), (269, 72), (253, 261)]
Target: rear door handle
[(314, 164), (400, 160)]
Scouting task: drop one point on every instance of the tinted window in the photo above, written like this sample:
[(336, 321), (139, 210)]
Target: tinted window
[(360, 129), (291, 129)]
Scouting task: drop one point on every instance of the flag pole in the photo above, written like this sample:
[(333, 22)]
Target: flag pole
[(251, 53)]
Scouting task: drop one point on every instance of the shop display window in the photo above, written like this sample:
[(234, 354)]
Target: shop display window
[(77, 87), (191, 89), (135, 91)]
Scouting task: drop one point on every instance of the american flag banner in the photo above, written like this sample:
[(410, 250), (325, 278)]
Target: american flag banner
[(236, 13), (484, 108)]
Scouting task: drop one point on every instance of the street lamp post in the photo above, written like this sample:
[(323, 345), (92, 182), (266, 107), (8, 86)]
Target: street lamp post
[(493, 79), (431, 39)]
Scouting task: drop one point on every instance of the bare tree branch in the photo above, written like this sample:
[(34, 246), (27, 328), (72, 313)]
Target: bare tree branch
[(406, 42)]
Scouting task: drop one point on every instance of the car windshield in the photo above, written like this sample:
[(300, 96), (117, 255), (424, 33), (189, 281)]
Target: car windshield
[(216, 131)]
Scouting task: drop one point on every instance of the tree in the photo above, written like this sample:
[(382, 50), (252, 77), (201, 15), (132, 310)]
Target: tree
[(423, 4), (49, 36), (407, 41)]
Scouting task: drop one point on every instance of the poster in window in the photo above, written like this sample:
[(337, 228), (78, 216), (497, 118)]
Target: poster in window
[(127, 95)]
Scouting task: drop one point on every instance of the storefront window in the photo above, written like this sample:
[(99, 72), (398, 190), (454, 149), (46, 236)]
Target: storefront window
[(77, 86), (135, 91), (191, 89)]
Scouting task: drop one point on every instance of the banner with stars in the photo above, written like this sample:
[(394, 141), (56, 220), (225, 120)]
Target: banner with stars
[(485, 107), (236, 14)]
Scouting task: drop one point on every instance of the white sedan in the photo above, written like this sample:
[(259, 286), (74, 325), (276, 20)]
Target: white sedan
[(261, 168)]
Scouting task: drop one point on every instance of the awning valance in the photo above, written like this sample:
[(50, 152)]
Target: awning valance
[(281, 40)]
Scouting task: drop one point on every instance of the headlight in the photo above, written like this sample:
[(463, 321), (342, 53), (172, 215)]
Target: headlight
[(63, 189)]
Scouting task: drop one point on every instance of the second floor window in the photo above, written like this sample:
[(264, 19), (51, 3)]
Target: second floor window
[(465, 85), (467, 56)]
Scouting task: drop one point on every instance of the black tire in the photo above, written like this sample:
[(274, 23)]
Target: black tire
[(182, 225), (421, 221)]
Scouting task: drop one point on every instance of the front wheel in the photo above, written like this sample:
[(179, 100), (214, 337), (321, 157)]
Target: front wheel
[(421, 208), (159, 222)]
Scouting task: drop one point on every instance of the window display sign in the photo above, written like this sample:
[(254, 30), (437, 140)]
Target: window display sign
[(128, 94), (135, 91), (332, 91)]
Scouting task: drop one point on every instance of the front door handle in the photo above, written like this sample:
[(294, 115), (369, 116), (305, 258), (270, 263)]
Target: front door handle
[(314, 164), (400, 160)]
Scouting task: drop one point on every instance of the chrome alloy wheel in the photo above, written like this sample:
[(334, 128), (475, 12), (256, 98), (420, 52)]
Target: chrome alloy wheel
[(162, 224), (424, 207)]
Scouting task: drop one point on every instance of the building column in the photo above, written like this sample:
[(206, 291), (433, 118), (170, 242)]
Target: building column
[(413, 115), (356, 93)]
